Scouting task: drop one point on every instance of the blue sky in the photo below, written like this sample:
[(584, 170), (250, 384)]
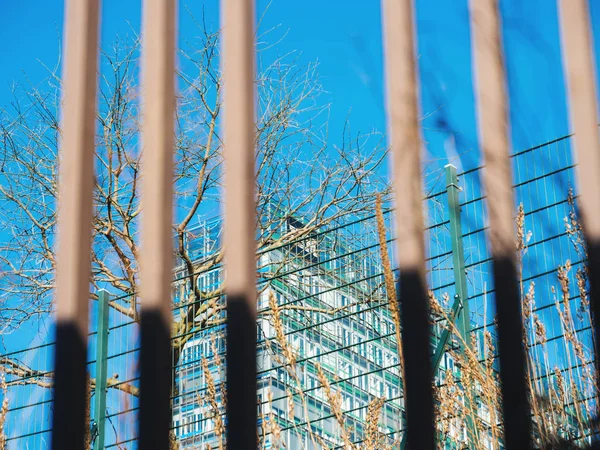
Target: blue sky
[(345, 38)]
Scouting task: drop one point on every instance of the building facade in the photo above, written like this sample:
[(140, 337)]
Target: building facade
[(327, 351)]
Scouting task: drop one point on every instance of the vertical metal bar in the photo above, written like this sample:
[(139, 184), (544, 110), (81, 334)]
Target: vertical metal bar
[(458, 253), (459, 315), (156, 262), (441, 348), (460, 285), (75, 206), (403, 126), (239, 228), (580, 74), (492, 108), (442, 345), (101, 363)]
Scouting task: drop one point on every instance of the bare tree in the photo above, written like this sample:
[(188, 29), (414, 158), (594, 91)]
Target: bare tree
[(300, 175)]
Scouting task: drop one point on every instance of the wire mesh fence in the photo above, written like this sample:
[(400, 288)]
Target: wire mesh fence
[(329, 370)]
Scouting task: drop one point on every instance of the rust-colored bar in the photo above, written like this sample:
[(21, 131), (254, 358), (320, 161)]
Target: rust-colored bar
[(404, 135), (239, 232), (75, 213), (580, 74), (156, 253), (492, 107)]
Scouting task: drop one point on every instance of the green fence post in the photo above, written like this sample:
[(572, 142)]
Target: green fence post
[(459, 314), (463, 321), (101, 369), (458, 252)]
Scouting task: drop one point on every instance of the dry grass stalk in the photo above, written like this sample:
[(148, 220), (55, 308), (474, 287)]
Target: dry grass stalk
[(560, 407), (535, 330), (520, 241), (560, 384), (218, 362), (287, 351), (173, 443), (263, 427), (388, 276), (567, 322), (490, 388), (529, 302), (574, 229), (585, 388), (584, 307), (471, 377), (563, 279), (456, 401), (291, 407), (540, 330), (288, 359), (88, 411), (532, 326), (373, 438), (334, 399), (549, 402), (436, 308), (273, 425), (3, 409), (445, 409), (211, 398)]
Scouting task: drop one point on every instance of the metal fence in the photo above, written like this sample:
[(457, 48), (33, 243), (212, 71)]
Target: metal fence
[(328, 364), (156, 377)]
